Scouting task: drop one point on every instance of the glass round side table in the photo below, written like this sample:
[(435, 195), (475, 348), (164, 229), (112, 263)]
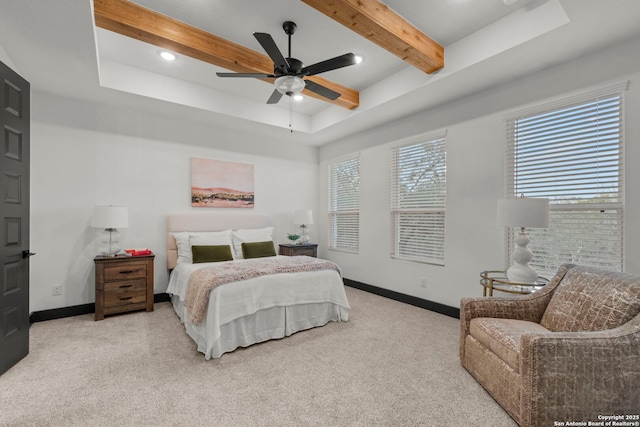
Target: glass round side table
[(495, 280)]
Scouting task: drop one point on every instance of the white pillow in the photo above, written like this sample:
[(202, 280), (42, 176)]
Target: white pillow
[(250, 235), (206, 238), (184, 248)]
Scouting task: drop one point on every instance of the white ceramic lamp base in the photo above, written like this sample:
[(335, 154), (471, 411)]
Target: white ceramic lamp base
[(520, 271)]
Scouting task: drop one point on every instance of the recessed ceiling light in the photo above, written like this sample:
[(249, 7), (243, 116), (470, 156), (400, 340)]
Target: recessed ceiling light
[(359, 58), (168, 56)]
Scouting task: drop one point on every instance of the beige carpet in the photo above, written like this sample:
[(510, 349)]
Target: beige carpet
[(392, 364)]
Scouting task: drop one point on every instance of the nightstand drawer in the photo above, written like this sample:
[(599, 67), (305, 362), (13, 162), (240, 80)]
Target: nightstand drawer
[(125, 292), (125, 272), (305, 251), (310, 249)]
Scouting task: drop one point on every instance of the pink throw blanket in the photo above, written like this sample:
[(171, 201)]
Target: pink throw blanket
[(202, 281)]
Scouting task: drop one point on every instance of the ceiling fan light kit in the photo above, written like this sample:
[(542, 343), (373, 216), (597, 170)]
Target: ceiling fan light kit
[(289, 85), (289, 72)]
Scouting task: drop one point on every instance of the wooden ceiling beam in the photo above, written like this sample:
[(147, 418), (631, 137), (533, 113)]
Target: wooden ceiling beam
[(132, 20), (374, 20)]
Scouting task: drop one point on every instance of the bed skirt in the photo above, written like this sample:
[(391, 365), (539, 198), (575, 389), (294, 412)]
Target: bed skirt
[(264, 325)]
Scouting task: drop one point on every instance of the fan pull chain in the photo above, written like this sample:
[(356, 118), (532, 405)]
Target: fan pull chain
[(291, 114)]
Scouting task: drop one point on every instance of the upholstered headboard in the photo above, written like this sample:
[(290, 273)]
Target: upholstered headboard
[(208, 222)]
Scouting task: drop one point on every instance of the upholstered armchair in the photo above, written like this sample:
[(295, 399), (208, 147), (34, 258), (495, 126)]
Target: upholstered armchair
[(569, 352)]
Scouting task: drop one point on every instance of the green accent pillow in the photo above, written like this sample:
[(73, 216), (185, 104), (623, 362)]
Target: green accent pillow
[(214, 253), (258, 249)]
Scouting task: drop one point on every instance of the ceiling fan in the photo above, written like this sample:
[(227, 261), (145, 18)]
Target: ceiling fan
[(289, 72)]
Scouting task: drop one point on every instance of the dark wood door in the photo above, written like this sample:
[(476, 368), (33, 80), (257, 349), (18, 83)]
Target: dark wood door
[(14, 214)]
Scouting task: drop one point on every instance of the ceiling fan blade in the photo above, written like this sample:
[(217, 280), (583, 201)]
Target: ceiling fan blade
[(321, 90), (269, 46), (275, 97), (255, 75), (330, 64)]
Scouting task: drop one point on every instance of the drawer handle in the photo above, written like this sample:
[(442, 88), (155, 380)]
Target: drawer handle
[(125, 298), (126, 272), (125, 286)]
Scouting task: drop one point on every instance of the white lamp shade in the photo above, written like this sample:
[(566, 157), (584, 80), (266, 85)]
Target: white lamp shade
[(303, 217), (110, 217), (523, 212)]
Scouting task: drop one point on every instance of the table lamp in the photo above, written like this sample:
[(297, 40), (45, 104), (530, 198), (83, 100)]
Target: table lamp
[(523, 212), (110, 218), (304, 218)]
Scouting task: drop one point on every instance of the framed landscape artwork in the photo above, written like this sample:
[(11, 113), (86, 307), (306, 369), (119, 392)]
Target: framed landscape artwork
[(219, 184)]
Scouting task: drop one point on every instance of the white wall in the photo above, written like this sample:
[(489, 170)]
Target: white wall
[(475, 161), (85, 154), (7, 61)]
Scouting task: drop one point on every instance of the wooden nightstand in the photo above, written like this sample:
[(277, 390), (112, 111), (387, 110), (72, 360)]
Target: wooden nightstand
[(123, 283), (310, 249)]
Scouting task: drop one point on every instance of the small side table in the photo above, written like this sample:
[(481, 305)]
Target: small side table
[(309, 249), (123, 283), (498, 281)]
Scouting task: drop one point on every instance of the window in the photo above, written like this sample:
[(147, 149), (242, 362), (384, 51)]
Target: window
[(418, 187), (344, 205), (571, 152)]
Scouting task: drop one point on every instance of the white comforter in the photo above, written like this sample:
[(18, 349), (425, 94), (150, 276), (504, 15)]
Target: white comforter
[(233, 302)]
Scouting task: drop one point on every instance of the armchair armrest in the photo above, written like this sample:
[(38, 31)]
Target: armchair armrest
[(580, 375), (527, 307)]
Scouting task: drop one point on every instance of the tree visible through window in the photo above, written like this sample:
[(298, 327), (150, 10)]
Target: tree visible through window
[(572, 153), (418, 193)]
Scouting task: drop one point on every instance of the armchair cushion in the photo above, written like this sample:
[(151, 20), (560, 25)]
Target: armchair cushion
[(502, 336), (591, 299)]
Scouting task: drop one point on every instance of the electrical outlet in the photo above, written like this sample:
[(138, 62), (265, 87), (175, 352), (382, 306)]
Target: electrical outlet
[(423, 282), (56, 290)]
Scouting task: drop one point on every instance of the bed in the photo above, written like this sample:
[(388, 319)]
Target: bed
[(254, 309)]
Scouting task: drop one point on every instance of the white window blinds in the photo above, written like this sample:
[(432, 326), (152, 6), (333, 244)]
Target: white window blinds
[(418, 187), (571, 152), (344, 205)]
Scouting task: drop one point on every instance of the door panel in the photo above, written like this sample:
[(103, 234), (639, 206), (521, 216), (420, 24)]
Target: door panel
[(14, 217)]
